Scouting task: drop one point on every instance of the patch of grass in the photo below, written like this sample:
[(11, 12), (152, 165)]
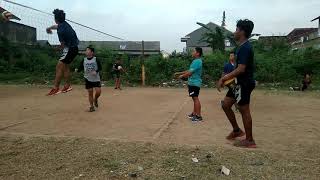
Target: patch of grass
[(66, 158)]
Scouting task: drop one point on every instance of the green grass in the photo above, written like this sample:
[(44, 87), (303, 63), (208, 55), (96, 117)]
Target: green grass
[(68, 158)]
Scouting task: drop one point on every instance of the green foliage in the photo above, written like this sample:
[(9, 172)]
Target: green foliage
[(274, 63), (215, 39)]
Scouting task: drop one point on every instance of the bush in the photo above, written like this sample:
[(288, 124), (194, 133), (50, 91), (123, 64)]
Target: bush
[(276, 64)]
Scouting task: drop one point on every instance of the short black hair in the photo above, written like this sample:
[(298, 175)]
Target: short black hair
[(246, 26), (91, 48), (59, 15), (199, 50), (232, 52)]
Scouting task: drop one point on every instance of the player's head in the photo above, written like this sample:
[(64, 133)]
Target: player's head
[(89, 51), (59, 16), (232, 56), (197, 52), (244, 29), (307, 75)]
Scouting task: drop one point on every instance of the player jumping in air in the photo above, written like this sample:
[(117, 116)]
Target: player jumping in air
[(194, 83), (69, 43), (241, 94)]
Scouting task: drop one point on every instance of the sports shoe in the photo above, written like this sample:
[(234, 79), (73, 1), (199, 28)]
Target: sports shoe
[(190, 116), (245, 144), (233, 135), (54, 91), (196, 118), (91, 109), (66, 89), (96, 104)]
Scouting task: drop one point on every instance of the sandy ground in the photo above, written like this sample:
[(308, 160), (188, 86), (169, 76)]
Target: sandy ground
[(284, 123), (149, 114)]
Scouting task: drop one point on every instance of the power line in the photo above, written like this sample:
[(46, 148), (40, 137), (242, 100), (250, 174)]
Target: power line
[(21, 5)]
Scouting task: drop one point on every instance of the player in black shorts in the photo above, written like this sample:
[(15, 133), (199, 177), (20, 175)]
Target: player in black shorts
[(69, 43), (241, 93), (117, 69)]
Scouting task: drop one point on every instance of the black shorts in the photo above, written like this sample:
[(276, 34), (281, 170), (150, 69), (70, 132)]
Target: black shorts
[(68, 55), (90, 85), (117, 74), (194, 91), (241, 93)]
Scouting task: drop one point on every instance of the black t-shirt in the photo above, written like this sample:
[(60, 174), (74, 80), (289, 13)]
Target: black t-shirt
[(67, 35), (245, 55), (116, 67)]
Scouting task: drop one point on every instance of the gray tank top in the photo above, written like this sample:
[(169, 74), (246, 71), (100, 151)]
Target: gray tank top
[(91, 66)]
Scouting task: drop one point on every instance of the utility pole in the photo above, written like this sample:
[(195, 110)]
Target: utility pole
[(318, 18), (223, 20), (143, 72)]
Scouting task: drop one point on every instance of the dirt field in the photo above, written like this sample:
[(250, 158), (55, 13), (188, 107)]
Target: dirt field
[(286, 129)]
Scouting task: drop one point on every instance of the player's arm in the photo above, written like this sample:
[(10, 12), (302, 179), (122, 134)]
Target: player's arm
[(80, 68), (235, 73), (194, 67), (99, 65), (185, 74), (53, 27)]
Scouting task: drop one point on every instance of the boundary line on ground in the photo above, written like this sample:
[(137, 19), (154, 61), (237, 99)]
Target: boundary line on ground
[(169, 121)]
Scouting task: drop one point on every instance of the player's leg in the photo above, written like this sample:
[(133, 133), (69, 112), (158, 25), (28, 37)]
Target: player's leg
[(89, 86), (191, 92), (197, 106), (97, 95), (247, 120), (227, 104), (71, 55), (59, 74), (66, 74), (244, 107), (227, 108), (194, 93), (119, 83), (116, 82), (90, 97)]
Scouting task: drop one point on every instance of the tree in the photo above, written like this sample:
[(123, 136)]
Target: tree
[(216, 38)]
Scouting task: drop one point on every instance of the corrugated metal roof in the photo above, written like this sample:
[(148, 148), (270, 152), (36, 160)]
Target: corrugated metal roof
[(130, 47)]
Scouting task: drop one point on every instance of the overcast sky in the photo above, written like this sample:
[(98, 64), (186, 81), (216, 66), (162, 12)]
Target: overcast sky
[(169, 20)]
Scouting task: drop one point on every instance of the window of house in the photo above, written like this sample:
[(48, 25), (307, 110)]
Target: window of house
[(227, 43)]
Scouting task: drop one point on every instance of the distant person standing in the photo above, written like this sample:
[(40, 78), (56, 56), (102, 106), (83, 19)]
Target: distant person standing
[(194, 75), (228, 68), (117, 70), (69, 43), (306, 82)]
